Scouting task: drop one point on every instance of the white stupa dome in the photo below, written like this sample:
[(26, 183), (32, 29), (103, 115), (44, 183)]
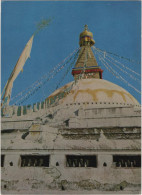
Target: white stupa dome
[(98, 91), (91, 88)]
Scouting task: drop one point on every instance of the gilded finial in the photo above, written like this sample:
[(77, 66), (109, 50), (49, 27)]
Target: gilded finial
[(86, 37), (85, 27)]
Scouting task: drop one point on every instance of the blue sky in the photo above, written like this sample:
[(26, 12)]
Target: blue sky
[(116, 27)]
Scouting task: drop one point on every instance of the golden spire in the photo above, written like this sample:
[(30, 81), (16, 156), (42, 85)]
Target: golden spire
[(86, 37), (86, 65)]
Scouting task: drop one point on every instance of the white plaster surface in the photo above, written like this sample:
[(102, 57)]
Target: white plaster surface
[(77, 114)]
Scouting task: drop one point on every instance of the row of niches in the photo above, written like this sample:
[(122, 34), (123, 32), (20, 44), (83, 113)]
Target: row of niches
[(102, 103), (112, 130), (127, 161), (118, 161), (35, 161), (112, 136), (81, 161)]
